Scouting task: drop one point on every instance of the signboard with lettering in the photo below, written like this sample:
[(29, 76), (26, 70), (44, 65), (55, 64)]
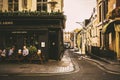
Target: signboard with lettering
[(6, 22)]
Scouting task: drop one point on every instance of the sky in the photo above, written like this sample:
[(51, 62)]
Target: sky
[(77, 11)]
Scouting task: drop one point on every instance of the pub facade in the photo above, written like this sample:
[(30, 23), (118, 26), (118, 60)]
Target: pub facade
[(38, 23)]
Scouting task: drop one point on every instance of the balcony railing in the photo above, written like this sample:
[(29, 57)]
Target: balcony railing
[(114, 13)]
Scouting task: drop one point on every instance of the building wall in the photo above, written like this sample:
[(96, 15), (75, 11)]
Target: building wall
[(5, 7), (32, 5), (111, 5), (49, 28), (67, 37)]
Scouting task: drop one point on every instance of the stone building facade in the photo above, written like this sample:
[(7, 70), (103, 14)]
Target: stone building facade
[(103, 31)]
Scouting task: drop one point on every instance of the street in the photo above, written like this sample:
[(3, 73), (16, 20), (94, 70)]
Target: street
[(88, 70)]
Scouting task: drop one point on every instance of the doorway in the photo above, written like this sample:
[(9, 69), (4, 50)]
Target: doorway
[(53, 44)]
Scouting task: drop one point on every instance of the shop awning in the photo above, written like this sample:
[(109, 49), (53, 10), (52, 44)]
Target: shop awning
[(109, 27)]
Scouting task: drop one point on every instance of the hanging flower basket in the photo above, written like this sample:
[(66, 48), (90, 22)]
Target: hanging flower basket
[(32, 50)]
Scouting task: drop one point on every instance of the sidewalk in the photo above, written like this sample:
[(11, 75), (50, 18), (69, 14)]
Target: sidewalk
[(52, 66), (108, 65)]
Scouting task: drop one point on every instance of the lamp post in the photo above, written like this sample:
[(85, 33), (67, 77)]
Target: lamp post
[(82, 50)]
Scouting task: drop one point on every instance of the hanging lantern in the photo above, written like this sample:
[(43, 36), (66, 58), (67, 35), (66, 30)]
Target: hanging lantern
[(53, 4)]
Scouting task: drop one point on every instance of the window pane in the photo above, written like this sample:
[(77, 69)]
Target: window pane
[(44, 0), (9, 0), (41, 5), (44, 7), (16, 0), (13, 5), (38, 7), (10, 7), (16, 7), (39, 0)]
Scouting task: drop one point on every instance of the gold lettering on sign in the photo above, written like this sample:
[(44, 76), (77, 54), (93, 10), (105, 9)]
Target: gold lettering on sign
[(6, 22)]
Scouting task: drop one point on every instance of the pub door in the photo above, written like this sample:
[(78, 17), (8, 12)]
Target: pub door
[(53, 45)]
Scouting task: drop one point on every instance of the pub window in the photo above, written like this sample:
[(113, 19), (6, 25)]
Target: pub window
[(12, 5), (42, 5)]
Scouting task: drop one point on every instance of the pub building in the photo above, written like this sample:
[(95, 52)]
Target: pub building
[(42, 27)]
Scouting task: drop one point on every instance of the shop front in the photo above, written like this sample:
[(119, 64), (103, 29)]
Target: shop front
[(111, 33), (44, 33)]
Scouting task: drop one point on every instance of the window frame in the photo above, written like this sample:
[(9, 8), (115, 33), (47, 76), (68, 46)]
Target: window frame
[(12, 5), (42, 5)]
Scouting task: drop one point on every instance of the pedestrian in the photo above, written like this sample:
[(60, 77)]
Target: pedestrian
[(0, 54), (11, 51), (25, 53), (39, 54), (19, 55), (3, 55)]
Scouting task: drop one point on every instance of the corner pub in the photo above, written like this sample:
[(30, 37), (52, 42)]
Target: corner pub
[(43, 30)]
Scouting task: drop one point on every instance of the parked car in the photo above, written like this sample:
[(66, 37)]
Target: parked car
[(67, 45)]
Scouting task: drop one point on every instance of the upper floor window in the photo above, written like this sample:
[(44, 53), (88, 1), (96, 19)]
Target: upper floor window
[(103, 9), (100, 13), (42, 5), (12, 5), (118, 3), (1, 5)]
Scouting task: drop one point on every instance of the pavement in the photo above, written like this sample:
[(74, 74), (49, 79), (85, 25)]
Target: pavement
[(105, 64), (66, 65)]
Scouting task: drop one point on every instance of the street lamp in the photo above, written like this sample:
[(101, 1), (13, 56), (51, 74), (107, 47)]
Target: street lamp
[(52, 4), (82, 24), (82, 50)]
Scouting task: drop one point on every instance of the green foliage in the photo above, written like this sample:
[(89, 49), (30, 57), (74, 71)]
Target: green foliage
[(29, 13), (32, 49)]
